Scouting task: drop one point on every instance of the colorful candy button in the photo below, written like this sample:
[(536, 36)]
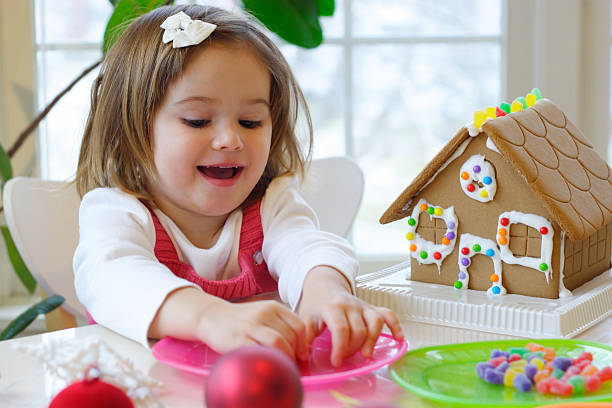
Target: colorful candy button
[(476, 248), (411, 222), (470, 188), (543, 230), (438, 211), (465, 175), (410, 236), (504, 221)]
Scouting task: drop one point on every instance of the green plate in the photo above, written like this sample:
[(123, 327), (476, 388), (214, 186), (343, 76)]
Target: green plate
[(447, 374)]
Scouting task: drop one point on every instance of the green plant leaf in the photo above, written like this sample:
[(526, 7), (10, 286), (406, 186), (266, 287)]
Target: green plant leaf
[(23, 320), (326, 7), (6, 168), (113, 2), (295, 21), (18, 265), (126, 11)]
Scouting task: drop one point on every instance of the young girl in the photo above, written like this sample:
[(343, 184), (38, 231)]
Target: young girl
[(189, 200)]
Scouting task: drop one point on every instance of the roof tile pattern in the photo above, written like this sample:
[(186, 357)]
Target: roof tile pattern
[(561, 167)]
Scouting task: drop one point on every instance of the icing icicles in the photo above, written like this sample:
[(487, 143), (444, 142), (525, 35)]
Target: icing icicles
[(470, 245), (428, 252), (541, 224)]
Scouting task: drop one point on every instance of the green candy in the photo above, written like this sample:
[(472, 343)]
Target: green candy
[(505, 106), (423, 255), (543, 266), (411, 222), (476, 248), (540, 354), (458, 284), (518, 350), (558, 373), (430, 210), (537, 93), (577, 381), (522, 100)]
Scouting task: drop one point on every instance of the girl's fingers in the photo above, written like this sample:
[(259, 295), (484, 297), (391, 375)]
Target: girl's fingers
[(358, 330), (391, 321), (267, 336), (375, 323), (297, 333), (338, 325)]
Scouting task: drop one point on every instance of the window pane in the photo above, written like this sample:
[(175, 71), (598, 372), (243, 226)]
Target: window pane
[(333, 27), (61, 131), (320, 75), (426, 18), (409, 101), (70, 21)]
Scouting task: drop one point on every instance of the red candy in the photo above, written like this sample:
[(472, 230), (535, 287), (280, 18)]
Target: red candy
[(504, 221), (604, 374), (592, 383), (514, 357), (465, 251), (497, 360), (499, 112), (470, 188), (543, 385), (559, 387)]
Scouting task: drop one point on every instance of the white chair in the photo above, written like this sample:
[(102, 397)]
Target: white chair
[(42, 217)]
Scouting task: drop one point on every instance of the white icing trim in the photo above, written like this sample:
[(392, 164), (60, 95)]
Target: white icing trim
[(429, 247), (536, 222), (458, 152), (563, 291), (486, 170), (468, 241), (491, 146), (472, 130)]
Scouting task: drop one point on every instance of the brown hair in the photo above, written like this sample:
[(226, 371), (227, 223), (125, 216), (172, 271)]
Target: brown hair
[(116, 148)]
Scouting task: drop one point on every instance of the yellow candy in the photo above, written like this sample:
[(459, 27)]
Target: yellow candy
[(538, 363), (490, 111), (518, 364), (484, 194), (531, 100), (479, 118), (516, 106), (438, 211), (509, 377), (410, 236)]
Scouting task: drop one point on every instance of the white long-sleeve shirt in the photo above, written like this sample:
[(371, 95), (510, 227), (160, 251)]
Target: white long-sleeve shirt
[(122, 284)]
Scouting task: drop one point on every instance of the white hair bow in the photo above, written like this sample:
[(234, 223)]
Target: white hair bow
[(183, 31)]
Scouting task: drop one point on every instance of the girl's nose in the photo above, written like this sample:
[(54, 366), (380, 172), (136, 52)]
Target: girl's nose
[(227, 137)]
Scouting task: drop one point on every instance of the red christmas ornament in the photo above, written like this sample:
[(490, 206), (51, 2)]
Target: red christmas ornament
[(91, 393), (254, 377)]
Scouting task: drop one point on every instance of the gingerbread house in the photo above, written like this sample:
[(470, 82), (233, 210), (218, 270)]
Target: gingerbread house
[(517, 202)]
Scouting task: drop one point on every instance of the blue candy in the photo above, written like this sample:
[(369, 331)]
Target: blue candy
[(481, 368), (561, 363), (503, 366), (494, 377), (530, 370), (522, 383), (498, 353)]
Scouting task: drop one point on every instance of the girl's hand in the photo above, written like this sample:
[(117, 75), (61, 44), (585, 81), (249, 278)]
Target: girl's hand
[(227, 326), (354, 324), (190, 314)]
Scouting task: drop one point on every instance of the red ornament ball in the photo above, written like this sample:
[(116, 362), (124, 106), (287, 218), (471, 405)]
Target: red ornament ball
[(91, 393), (254, 377)]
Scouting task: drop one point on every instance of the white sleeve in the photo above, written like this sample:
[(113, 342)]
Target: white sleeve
[(117, 276), (294, 244)]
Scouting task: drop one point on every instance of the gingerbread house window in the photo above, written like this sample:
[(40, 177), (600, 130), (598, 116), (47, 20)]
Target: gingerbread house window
[(518, 223), (432, 232), (585, 253), (525, 241)]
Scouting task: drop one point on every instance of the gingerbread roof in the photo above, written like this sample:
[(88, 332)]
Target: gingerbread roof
[(558, 163)]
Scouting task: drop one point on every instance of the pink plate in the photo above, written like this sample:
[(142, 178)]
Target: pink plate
[(197, 358)]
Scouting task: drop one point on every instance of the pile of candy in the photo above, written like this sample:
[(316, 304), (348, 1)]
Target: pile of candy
[(536, 365)]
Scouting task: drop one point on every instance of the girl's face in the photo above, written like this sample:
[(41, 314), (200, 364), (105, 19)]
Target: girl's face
[(212, 133)]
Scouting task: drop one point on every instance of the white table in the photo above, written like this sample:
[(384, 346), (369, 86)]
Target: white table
[(24, 380)]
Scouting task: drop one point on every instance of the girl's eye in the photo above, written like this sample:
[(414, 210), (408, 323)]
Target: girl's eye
[(250, 124), (196, 123)]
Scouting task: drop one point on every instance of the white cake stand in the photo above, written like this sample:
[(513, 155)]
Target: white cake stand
[(516, 315)]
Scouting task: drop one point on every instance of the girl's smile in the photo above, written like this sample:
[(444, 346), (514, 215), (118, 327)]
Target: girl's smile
[(221, 174)]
